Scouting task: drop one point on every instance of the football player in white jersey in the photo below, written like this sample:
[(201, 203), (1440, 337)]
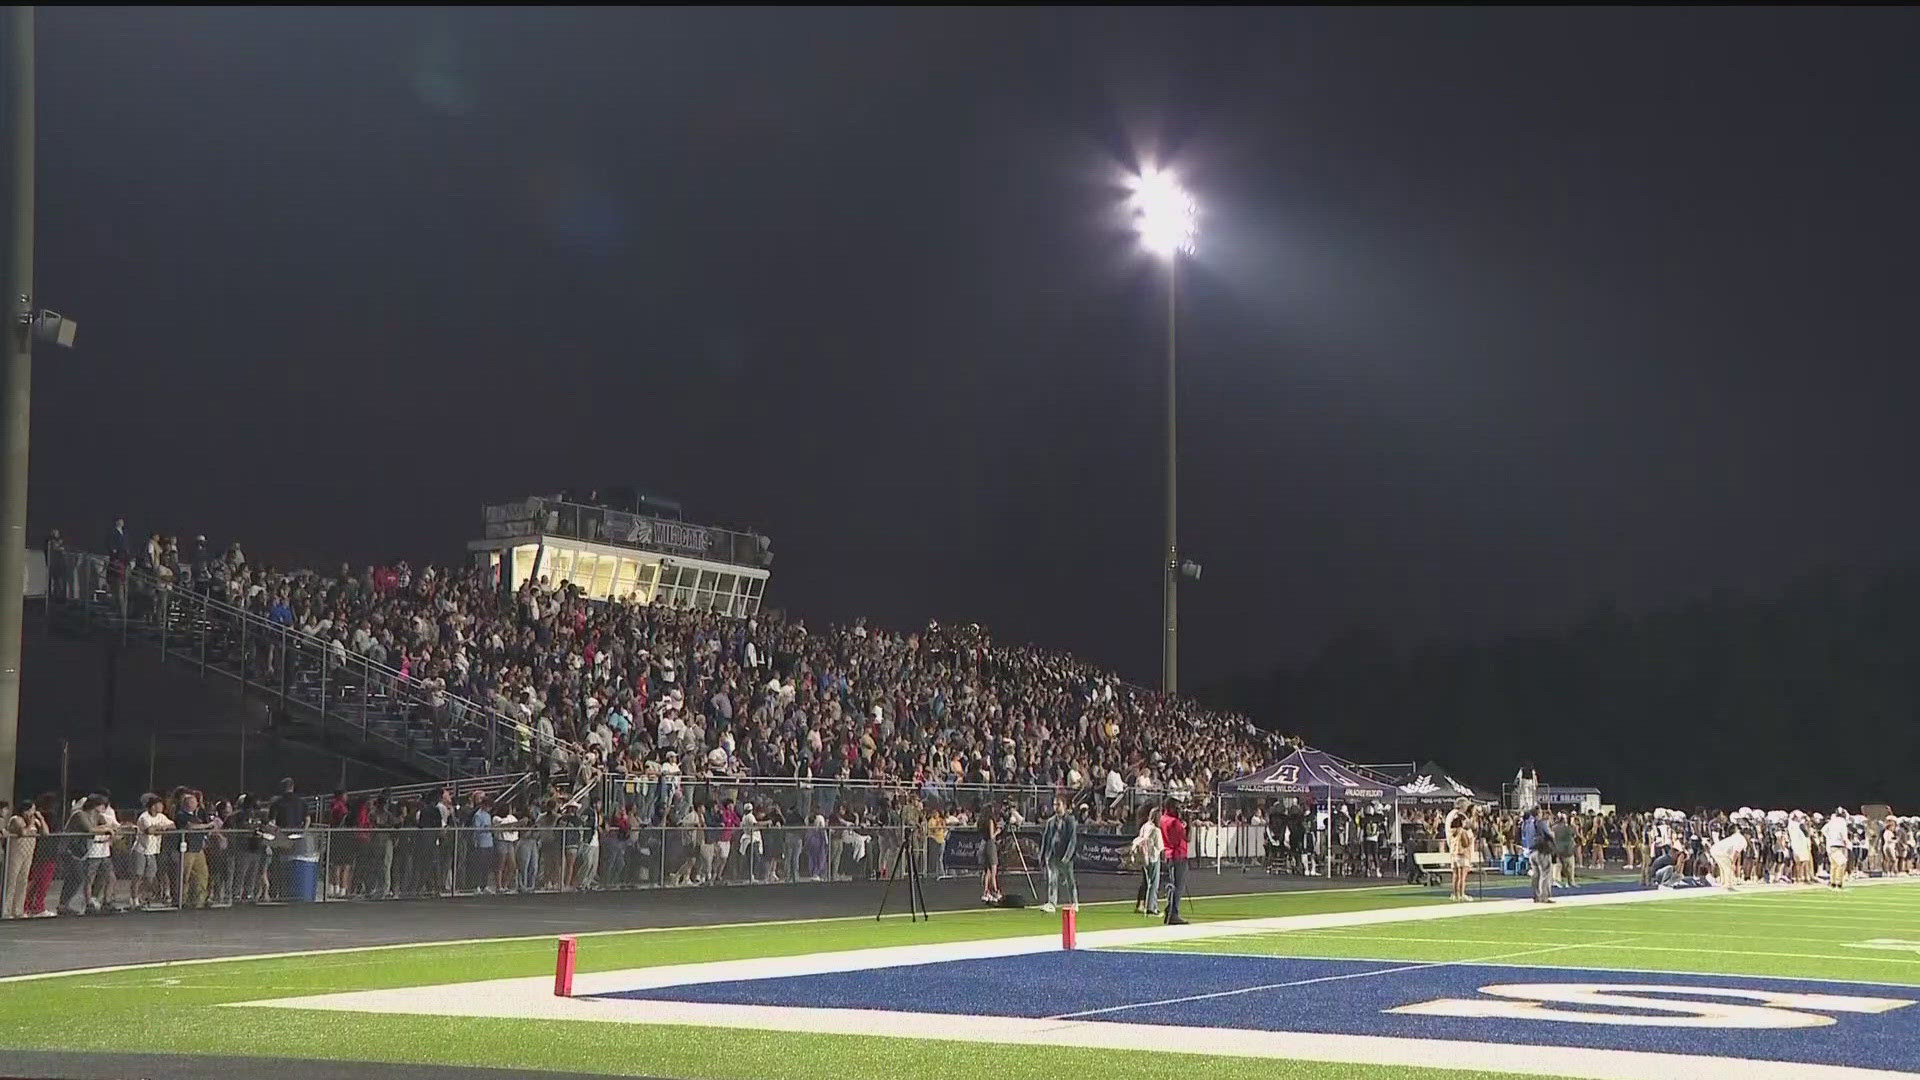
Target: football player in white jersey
[(1726, 853), (1801, 840), (1835, 834)]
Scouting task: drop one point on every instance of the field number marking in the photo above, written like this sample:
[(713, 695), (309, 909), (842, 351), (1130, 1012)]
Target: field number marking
[(1532, 1001)]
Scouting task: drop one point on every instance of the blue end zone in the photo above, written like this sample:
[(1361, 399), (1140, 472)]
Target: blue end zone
[(1330, 996)]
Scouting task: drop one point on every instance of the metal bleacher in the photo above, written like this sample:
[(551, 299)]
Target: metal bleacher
[(341, 702)]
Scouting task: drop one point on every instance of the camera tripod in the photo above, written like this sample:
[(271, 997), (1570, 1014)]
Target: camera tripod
[(909, 857)]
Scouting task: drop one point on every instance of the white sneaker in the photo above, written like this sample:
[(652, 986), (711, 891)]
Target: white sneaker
[(1048, 908)]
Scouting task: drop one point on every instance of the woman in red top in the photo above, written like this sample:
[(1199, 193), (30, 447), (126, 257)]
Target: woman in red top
[(1173, 830)]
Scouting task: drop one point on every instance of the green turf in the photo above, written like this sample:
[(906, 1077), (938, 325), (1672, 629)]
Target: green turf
[(1808, 935), (172, 1008)]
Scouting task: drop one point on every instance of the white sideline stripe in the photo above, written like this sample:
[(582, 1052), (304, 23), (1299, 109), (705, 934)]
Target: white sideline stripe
[(1619, 944), (36, 976), (1370, 1050), (1635, 970), (1394, 970)]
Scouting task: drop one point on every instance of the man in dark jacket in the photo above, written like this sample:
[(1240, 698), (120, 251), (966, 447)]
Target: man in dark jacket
[(1539, 844), (1059, 843), (1563, 848)]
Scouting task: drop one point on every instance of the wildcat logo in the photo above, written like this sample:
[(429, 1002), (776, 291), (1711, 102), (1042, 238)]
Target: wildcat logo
[(1533, 1001)]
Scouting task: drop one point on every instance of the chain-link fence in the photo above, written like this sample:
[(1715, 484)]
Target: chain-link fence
[(96, 873)]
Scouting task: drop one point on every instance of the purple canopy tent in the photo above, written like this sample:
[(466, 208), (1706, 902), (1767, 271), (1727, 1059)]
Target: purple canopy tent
[(1311, 772)]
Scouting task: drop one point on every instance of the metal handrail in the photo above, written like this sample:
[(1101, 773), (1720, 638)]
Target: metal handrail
[(393, 675), (514, 781), (461, 711), (892, 785)]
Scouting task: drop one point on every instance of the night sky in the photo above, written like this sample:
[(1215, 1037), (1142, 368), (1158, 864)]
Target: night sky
[(1496, 314)]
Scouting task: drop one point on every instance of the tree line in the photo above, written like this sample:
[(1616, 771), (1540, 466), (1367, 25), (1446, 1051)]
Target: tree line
[(1806, 697)]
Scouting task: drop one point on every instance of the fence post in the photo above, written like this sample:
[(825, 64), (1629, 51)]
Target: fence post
[(286, 668), (180, 874), (366, 683), (206, 616)]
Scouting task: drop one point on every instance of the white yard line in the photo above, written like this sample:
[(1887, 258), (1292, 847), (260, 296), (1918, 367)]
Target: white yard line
[(1403, 968), (1635, 970), (1814, 915), (1600, 922), (1333, 936)]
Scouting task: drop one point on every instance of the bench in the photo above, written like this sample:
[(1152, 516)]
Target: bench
[(1433, 866), (1436, 868)]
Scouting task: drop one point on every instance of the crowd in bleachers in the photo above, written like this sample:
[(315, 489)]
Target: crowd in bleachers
[(686, 704), (648, 689)]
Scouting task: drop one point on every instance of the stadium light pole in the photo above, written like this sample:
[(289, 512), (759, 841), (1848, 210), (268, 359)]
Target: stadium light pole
[(1164, 216), (16, 327)]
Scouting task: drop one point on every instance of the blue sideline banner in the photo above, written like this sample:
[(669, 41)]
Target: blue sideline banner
[(1098, 851)]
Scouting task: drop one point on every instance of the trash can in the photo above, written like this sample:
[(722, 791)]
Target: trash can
[(303, 880)]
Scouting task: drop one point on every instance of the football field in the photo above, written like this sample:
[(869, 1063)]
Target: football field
[(1612, 982)]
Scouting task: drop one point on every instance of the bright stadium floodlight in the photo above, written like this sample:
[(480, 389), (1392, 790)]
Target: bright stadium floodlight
[(1163, 214), (1166, 219)]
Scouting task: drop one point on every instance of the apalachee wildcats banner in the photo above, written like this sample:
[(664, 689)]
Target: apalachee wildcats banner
[(1098, 851)]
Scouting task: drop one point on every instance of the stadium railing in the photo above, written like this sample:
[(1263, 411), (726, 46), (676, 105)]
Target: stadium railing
[(437, 731), (822, 795), (75, 873), (72, 873)]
